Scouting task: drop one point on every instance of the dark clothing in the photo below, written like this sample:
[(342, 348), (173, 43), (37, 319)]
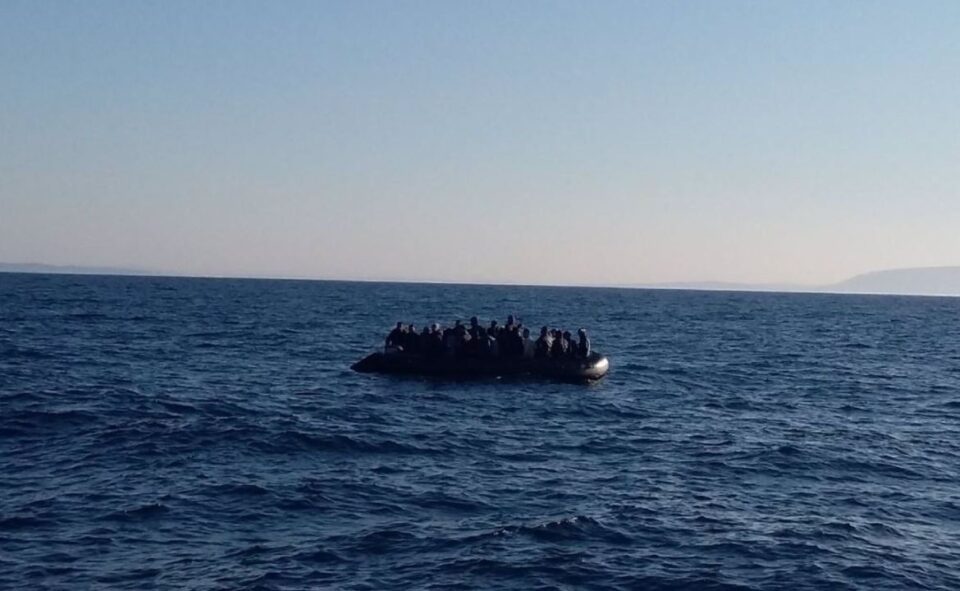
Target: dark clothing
[(541, 349), (583, 347), (449, 342), (411, 342), (493, 346), (559, 347), (509, 343), (432, 344), (395, 338)]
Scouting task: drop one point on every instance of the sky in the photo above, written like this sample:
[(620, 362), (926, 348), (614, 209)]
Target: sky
[(507, 142)]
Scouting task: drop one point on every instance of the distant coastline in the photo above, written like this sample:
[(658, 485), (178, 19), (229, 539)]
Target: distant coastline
[(42, 268), (915, 281)]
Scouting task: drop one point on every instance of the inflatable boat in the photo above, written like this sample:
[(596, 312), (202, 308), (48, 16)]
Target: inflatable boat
[(571, 369)]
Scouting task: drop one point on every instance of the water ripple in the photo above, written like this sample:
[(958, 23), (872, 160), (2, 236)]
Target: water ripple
[(180, 433)]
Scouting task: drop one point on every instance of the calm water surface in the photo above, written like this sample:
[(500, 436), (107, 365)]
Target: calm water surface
[(162, 433)]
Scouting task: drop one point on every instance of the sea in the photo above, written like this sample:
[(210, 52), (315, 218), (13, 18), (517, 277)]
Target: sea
[(180, 433)]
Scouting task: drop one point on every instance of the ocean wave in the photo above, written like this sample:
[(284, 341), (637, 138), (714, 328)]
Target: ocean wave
[(578, 528), (213, 431), (144, 512), (289, 441), (16, 522)]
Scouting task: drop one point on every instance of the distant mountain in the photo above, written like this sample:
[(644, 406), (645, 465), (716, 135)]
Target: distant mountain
[(728, 286), (68, 269), (941, 281), (915, 281)]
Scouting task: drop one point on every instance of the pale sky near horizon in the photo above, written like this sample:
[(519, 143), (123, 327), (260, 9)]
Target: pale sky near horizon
[(533, 142)]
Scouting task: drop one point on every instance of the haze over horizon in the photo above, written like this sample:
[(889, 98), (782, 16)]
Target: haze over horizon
[(570, 143)]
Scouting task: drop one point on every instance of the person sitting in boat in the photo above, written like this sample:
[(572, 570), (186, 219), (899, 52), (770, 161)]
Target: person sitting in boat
[(541, 348), (569, 345), (559, 347), (433, 345), (449, 342), (460, 338), (411, 340), (505, 342), (583, 347), (484, 343), (395, 339), (423, 341), (470, 343), (492, 347), (414, 341), (474, 330), (494, 330), (529, 347), (516, 341)]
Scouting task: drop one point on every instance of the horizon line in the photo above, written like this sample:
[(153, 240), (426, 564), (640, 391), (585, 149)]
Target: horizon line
[(708, 286)]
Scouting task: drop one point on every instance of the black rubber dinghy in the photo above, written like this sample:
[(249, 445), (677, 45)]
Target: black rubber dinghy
[(592, 368)]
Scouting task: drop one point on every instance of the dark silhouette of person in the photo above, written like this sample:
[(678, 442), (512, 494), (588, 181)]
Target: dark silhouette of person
[(473, 331), (493, 346), (541, 348), (435, 348), (423, 342), (484, 343), (559, 346), (411, 340), (528, 347), (583, 347), (395, 338), (571, 348), (460, 338), (516, 341)]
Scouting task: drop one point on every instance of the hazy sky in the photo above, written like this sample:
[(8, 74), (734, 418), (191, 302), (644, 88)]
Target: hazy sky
[(540, 142)]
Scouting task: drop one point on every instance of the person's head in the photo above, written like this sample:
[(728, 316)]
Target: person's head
[(526, 333), (566, 334), (435, 327), (544, 331), (473, 321), (426, 330), (582, 334), (411, 328), (400, 325), (457, 324), (510, 319)]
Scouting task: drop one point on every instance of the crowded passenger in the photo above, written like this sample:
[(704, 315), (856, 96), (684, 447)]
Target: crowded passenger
[(510, 341)]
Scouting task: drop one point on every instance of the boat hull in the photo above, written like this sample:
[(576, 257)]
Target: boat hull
[(577, 370)]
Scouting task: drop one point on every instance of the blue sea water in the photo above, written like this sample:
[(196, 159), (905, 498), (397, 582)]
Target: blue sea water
[(170, 433)]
